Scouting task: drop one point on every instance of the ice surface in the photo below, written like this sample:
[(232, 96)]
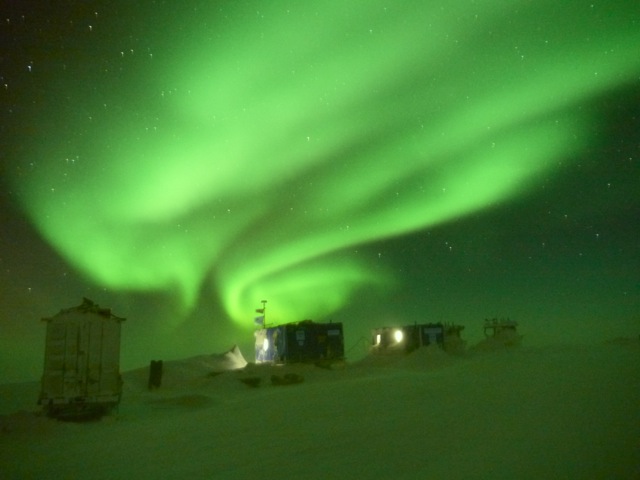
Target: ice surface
[(571, 412)]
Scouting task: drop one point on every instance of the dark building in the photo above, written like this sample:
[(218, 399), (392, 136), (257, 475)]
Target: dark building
[(304, 341), (410, 337)]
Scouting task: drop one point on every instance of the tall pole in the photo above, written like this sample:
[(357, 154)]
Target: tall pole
[(264, 313)]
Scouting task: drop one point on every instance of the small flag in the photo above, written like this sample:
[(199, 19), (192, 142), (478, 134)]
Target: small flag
[(259, 310), (259, 320)]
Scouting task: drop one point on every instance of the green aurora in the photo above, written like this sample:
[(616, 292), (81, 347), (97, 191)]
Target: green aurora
[(250, 147)]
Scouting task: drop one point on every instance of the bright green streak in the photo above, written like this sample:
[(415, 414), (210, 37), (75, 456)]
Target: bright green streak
[(273, 142)]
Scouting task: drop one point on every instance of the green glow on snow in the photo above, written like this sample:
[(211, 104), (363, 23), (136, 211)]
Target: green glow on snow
[(270, 141)]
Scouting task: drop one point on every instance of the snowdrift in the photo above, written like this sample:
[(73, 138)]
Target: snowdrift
[(571, 412)]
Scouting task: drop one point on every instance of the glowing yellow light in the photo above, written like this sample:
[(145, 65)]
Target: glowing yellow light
[(265, 344), (398, 335), (378, 338)]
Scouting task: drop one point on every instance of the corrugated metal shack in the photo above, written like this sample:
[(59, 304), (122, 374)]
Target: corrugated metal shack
[(81, 362), (304, 341)]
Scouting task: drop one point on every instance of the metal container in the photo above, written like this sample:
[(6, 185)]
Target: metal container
[(82, 362)]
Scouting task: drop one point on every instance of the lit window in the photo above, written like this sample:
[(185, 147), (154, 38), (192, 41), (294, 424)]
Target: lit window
[(398, 335)]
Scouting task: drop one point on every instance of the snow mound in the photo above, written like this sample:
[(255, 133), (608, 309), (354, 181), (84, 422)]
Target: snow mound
[(429, 357), (498, 343), (424, 358), (191, 372), (266, 374)]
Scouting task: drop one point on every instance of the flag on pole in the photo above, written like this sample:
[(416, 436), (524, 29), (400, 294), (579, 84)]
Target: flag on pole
[(259, 320), (259, 310)]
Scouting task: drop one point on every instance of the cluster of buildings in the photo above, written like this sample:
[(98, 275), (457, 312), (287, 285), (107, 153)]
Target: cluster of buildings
[(308, 341), (82, 352)]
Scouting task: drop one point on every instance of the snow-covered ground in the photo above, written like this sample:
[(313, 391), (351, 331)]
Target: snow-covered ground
[(571, 412)]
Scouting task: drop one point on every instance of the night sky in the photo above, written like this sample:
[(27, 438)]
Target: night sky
[(373, 163)]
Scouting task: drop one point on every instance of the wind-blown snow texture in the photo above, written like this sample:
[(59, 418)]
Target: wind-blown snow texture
[(521, 413)]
